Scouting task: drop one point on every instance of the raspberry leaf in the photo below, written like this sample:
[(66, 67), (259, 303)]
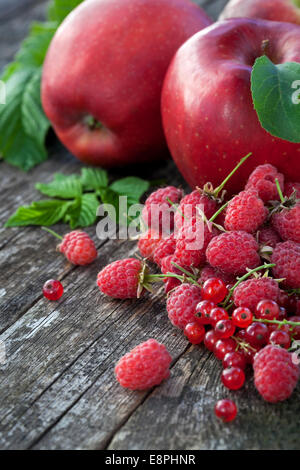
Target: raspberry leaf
[(93, 179), (83, 212), (131, 186), (47, 212), (59, 9), (276, 97), (65, 187)]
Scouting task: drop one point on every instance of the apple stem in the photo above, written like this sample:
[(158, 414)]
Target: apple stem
[(219, 188), (265, 46)]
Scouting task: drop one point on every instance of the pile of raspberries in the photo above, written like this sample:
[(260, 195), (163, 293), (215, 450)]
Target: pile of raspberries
[(231, 274)]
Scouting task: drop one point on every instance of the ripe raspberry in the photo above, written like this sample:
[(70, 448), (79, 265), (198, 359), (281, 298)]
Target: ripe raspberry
[(246, 212), (267, 236), (286, 257), (122, 279), (158, 210), (263, 180), (168, 267), (164, 248), (233, 252), (289, 188), (144, 366), (248, 293), (208, 272), (182, 303), (188, 207), (191, 243), (275, 375), (287, 223), (147, 244), (78, 248)]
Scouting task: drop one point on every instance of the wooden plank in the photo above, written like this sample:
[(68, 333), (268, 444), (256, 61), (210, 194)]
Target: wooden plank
[(179, 414), (63, 355)]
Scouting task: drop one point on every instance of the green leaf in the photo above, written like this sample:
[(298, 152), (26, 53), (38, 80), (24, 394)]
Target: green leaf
[(66, 187), (94, 178), (23, 125), (33, 50), (83, 212), (276, 97), (59, 9), (132, 187), (46, 213)]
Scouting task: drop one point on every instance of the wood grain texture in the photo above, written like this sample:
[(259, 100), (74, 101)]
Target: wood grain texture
[(57, 388)]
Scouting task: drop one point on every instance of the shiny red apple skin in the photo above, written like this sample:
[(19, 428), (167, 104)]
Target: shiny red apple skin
[(108, 60), (273, 10), (207, 109)]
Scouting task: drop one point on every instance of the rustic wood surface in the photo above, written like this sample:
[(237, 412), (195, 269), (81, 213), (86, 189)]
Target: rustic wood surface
[(57, 388)]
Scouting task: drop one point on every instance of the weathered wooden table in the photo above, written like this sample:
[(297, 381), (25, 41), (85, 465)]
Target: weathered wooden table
[(57, 388)]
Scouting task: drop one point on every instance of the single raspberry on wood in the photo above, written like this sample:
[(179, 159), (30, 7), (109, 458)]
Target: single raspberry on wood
[(78, 248), (250, 292), (246, 212), (144, 366), (147, 244), (263, 180), (233, 252), (181, 304), (286, 257), (159, 210), (123, 279), (275, 374)]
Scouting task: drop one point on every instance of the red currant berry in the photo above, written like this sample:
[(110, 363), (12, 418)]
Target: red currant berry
[(276, 327), (194, 332), (257, 334), (282, 314), (233, 378), (53, 290), (203, 309), (267, 309), (210, 340), (234, 359), (295, 329), (215, 290), (241, 335), (225, 328), (242, 317), (218, 314), (281, 338), (226, 410), (223, 346), (249, 353)]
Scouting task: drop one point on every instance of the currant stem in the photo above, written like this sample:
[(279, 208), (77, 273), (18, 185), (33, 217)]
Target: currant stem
[(279, 190), (219, 188), (277, 322), (243, 278), (182, 269), (52, 232)]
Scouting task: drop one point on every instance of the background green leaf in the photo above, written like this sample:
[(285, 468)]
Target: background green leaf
[(272, 93), (66, 187), (94, 178), (83, 212), (59, 9), (131, 186), (47, 213)]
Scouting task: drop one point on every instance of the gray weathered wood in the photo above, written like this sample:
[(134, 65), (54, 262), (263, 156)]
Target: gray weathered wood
[(57, 388)]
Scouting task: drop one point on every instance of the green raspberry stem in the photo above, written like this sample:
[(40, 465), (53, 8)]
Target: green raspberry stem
[(52, 232), (219, 188), (243, 278), (279, 191)]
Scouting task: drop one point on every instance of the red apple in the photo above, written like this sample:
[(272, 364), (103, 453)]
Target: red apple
[(103, 76), (207, 108), (274, 10)]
